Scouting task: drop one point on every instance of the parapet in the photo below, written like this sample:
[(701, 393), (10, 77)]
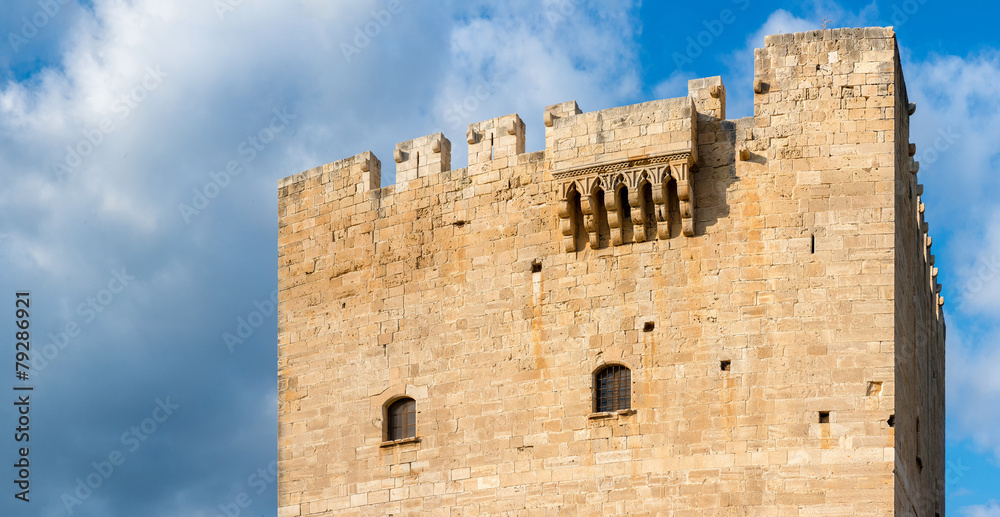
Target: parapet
[(709, 96), (429, 154), (496, 138), (621, 168)]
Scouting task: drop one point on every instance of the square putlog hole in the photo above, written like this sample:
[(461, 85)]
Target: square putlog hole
[(891, 421), (536, 266), (648, 326), (725, 365), (874, 388), (824, 417)]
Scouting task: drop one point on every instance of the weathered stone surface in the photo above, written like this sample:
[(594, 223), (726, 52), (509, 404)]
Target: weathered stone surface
[(658, 236)]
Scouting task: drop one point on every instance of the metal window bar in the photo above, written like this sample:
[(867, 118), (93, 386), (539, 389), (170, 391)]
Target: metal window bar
[(614, 389)]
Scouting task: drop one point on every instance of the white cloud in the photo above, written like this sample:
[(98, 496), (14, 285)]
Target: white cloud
[(983, 510), (973, 389), (222, 77), (958, 102), (499, 60)]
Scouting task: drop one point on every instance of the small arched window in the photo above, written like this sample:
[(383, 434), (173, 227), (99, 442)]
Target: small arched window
[(401, 419), (600, 218), (576, 213), (624, 214), (612, 389)]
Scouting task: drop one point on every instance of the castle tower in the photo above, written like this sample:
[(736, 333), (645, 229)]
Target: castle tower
[(664, 312)]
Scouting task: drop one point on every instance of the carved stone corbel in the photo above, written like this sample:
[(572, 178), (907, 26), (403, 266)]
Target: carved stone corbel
[(649, 212), (685, 193), (568, 224), (662, 208), (615, 221), (587, 205)]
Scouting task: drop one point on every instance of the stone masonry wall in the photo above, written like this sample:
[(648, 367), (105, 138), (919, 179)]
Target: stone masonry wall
[(752, 274)]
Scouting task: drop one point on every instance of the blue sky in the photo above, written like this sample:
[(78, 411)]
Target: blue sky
[(115, 115)]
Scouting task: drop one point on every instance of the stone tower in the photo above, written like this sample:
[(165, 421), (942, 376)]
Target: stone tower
[(664, 312)]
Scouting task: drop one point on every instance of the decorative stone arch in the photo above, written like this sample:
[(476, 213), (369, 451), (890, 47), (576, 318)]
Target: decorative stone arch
[(681, 170), (669, 178), (596, 214), (643, 209), (571, 216), (664, 198), (619, 210)]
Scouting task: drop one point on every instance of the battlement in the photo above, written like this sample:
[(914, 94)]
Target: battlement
[(764, 285)]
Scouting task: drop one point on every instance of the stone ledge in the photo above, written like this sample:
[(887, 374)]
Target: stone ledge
[(402, 441), (611, 414)]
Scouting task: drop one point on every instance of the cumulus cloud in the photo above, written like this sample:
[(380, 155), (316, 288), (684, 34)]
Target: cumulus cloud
[(972, 389), (984, 510), (117, 113), (554, 55), (127, 110), (957, 106)]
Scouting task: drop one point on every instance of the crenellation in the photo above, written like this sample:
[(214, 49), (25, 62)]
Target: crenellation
[(767, 282), (420, 157), (709, 96), (501, 137)]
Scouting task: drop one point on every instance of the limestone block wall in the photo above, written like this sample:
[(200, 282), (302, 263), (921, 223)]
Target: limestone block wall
[(765, 280)]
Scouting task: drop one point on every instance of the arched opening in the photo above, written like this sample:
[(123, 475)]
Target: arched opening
[(576, 217), (601, 219), (648, 210), (624, 213), (612, 389), (401, 419), (673, 207)]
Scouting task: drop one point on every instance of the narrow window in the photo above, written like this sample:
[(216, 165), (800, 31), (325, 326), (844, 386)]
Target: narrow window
[(613, 389), (401, 421), (601, 219), (648, 210), (813, 244), (673, 206), (624, 214), (576, 213)]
